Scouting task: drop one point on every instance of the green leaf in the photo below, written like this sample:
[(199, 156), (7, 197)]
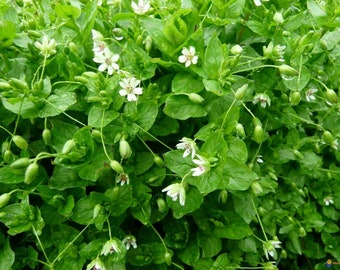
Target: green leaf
[(298, 83), (177, 233), (64, 178), (96, 115), (95, 167), (316, 10), (243, 206), (186, 83), (7, 33), (67, 11), (206, 183), (147, 113), (6, 256), (210, 245), (190, 254), (9, 176), (143, 162), (213, 58), (237, 149), (181, 107), (83, 211), (237, 176), (176, 163), (56, 104), (193, 201)]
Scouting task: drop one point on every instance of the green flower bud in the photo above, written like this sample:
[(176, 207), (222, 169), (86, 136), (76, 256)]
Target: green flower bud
[(195, 98), (103, 93), (46, 135), (258, 134), (139, 40), (20, 142), (236, 49), (94, 99), (161, 204), (256, 188), (4, 199), (272, 176), (168, 257), (115, 194), (278, 18), (240, 130), (239, 95), (158, 160), (80, 79), (148, 43), (20, 163), (331, 96), (327, 136), (19, 84), (115, 165), (8, 156), (96, 133), (302, 232), (124, 149), (262, 211), (223, 196), (287, 70), (68, 146), (5, 86), (90, 74), (295, 98), (34, 33), (31, 173), (297, 153), (96, 210), (283, 254)]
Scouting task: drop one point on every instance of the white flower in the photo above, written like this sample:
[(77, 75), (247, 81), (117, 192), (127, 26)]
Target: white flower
[(236, 49), (107, 60), (129, 241), (47, 47), (98, 42), (310, 94), (263, 99), (130, 88), (110, 247), (278, 18), (203, 166), (269, 248), (141, 8), (188, 56), (188, 145), (176, 191), (96, 264), (328, 201), (123, 179), (259, 2)]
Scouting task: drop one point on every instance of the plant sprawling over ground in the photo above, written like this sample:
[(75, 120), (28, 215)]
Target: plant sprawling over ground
[(182, 134)]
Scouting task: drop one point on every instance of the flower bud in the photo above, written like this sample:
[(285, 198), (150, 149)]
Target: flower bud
[(161, 204), (158, 160), (4, 199), (20, 142), (168, 257), (327, 136), (258, 134), (115, 165), (68, 146), (297, 153), (239, 95), (5, 86), (31, 173), (8, 156), (287, 70), (295, 98), (96, 133), (302, 232), (283, 254), (331, 96), (19, 84), (115, 193), (223, 196), (195, 98), (256, 188), (240, 130), (236, 49), (80, 79), (96, 210), (20, 163), (124, 149), (278, 18), (148, 43), (46, 135)]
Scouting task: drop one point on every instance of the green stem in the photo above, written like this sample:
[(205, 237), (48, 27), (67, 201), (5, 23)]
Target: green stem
[(42, 247), (145, 144), (5, 129), (253, 68), (225, 117), (259, 219), (102, 137), (153, 137), (109, 227)]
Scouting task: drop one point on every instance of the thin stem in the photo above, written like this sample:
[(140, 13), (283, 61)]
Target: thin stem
[(70, 243), (253, 68), (5, 129), (307, 121), (109, 227), (259, 219), (145, 144), (154, 229), (225, 117), (41, 246), (102, 137), (153, 137), (43, 67)]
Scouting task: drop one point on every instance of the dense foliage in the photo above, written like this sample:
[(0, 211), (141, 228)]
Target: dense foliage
[(182, 134)]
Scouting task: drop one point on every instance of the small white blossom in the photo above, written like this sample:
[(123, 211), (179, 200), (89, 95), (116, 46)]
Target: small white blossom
[(130, 88), (269, 248), (188, 56), (203, 166), (141, 8), (110, 247), (328, 201), (310, 94), (47, 47), (107, 61), (123, 179), (188, 145), (278, 18), (263, 99), (129, 241), (259, 2), (176, 191), (236, 49), (96, 264)]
